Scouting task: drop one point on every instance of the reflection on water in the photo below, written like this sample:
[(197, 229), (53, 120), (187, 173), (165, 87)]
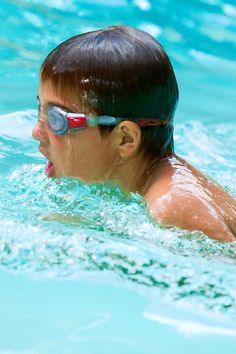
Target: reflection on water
[(64, 229)]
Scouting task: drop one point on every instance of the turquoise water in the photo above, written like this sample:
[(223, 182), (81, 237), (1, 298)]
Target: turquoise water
[(83, 269)]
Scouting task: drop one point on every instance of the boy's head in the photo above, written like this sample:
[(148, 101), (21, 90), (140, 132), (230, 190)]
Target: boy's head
[(119, 71)]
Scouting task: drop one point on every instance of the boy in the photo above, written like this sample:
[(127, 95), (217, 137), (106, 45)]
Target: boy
[(107, 100)]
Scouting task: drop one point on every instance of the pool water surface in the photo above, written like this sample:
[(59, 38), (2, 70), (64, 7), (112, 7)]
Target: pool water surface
[(83, 268)]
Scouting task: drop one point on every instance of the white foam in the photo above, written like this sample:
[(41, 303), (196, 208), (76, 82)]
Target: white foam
[(191, 327)]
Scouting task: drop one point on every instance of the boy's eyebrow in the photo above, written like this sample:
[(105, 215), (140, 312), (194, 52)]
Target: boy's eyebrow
[(53, 103)]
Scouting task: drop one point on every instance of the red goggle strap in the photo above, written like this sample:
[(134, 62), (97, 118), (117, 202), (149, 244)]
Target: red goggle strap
[(145, 122)]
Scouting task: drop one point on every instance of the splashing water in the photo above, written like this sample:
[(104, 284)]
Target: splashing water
[(61, 228)]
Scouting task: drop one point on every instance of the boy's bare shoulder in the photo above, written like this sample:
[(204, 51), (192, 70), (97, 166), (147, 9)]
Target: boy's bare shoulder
[(190, 208)]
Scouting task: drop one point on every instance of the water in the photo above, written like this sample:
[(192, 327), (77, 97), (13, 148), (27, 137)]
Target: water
[(83, 268)]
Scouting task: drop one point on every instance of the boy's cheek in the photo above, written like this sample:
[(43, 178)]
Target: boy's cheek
[(56, 140)]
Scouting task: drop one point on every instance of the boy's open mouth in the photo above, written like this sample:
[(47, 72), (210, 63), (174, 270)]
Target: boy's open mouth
[(50, 169)]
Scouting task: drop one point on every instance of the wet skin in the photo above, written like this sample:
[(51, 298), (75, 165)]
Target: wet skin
[(181, 195), (78, 154), (177, 193)]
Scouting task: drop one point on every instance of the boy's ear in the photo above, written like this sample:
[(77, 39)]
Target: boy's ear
[(129, 138)]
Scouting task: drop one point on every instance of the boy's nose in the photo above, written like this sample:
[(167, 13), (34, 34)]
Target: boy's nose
[(38, 133)]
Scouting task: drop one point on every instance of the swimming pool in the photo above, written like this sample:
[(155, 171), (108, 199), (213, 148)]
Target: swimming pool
[(83, 269)]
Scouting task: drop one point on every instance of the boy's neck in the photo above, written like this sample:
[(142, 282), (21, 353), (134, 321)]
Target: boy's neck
[(136, 174)]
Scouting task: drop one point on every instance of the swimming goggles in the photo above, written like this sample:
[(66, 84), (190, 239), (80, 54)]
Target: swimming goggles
[(62, 122)]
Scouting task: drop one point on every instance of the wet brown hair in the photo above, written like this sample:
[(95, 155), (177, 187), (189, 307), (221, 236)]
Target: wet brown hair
[(119, 71)]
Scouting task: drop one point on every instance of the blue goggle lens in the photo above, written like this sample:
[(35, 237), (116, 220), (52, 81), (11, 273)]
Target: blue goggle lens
[(57, 121)]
